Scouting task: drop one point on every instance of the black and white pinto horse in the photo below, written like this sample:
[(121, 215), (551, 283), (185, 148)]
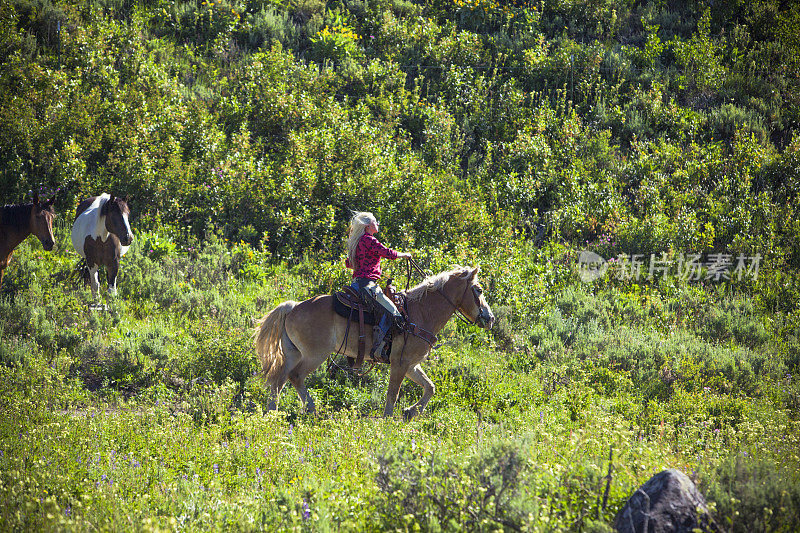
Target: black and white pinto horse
[(101, 234)]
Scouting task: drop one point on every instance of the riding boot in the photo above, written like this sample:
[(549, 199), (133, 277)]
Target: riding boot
[(379, 339)]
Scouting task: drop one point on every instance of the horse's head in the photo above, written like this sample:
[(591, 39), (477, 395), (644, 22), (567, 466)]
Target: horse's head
[(116, 211), (41, 222), (473, 303)]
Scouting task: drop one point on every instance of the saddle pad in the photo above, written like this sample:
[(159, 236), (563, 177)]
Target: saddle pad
[(343, 310)]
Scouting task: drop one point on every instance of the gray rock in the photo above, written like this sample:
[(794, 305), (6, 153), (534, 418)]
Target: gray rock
[(668, 502)]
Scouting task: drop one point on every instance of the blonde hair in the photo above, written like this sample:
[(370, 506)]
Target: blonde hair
[(358, 225)]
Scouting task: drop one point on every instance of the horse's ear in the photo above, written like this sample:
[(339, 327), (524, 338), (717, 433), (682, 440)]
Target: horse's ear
[(36, 198), (474, 272)]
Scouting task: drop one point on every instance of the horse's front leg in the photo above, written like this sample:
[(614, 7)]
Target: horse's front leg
[(418, 376), (94, 280), (112, 269), (396, 375)]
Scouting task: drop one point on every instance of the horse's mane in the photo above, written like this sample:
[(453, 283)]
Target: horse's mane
[(434, 283), (16, 216)]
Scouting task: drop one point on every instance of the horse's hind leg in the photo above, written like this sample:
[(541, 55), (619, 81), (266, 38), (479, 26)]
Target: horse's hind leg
[(298, 379), (291, 358)]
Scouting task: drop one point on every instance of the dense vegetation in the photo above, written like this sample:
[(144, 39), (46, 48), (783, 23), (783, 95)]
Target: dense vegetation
[(510, 134)]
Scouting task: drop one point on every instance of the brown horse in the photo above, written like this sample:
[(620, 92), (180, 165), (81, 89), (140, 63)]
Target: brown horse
[(19, 221), (295, 338)]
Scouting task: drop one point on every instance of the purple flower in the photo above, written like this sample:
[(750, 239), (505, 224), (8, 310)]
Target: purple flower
[(306, 511), (216, 468), (290, 429)]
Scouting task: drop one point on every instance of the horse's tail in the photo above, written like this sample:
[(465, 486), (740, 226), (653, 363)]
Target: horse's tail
[(267, 337), (80, 274)]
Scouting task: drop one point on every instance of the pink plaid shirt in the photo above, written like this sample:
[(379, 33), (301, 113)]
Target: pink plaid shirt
[(368, 257)]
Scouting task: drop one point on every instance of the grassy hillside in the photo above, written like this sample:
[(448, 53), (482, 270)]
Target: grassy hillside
[(512, 135)]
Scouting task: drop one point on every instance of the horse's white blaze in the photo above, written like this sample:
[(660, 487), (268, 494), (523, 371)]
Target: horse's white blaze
[(90, 223), (124, 249)]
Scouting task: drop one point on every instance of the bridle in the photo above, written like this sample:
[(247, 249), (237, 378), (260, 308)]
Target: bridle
[(477, 290)]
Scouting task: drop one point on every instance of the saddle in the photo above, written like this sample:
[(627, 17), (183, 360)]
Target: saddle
[(352, 306)]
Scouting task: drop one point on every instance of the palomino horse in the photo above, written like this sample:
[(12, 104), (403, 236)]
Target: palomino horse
[(295, 338), (101, 235), (19, 221)]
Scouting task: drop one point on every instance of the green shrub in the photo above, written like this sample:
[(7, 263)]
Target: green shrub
[(14, 351), (728, 120), (268, 25), (155, 246), (434, 493), (221, 357), (734, 318), (751, 494), (100, 366)]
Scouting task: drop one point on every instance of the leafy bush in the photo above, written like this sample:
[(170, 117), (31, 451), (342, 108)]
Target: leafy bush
[(750, 494), (485, 493), (727, 120), (221, 357), (99, 366)]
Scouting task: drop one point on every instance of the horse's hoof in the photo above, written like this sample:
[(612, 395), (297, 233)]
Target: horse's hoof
[(409, 413)]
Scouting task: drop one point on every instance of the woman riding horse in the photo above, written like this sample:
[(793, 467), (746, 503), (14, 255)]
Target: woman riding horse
[(364, 252)]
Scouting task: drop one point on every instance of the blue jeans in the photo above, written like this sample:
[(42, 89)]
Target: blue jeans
[(369, 288)]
